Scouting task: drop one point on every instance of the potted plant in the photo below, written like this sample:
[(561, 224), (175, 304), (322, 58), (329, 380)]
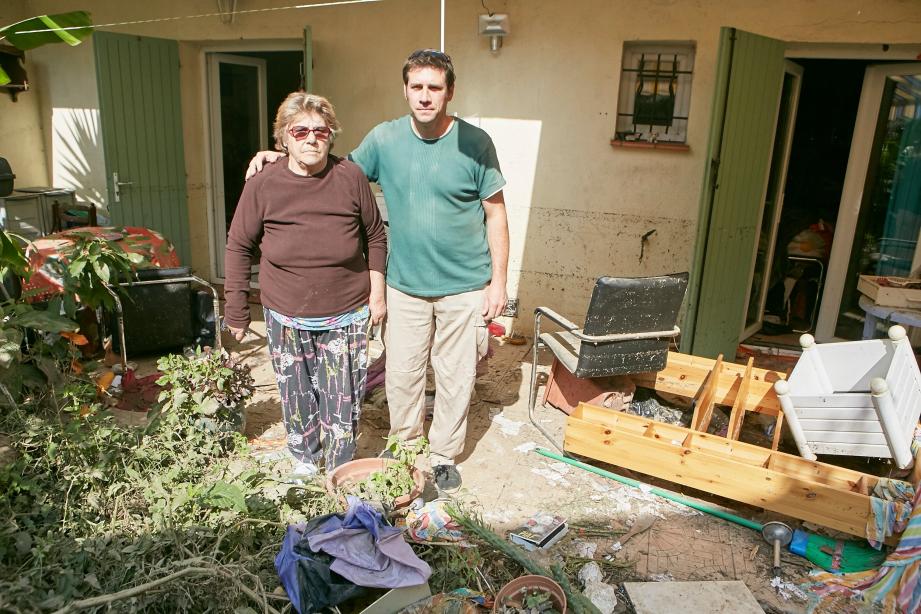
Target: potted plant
[(527, 594), (389, 483)]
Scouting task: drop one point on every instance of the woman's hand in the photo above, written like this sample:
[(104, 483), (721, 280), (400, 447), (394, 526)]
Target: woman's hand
[(378, 306), (238, 333), (377, 302), (261, 159)]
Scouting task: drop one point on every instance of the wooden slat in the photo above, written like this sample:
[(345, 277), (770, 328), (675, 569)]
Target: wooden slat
[(837, 400), (847, 437), (703, 406), (738, 451), (830, 412), (778, 427), (843, 510), (685, 375), (842, 426), (851, 449), (737, 416)]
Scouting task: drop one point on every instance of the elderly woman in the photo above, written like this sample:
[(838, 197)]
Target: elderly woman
[(321, 279)]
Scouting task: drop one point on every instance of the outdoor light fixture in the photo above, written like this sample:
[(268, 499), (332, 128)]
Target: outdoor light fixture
[(495, 26)]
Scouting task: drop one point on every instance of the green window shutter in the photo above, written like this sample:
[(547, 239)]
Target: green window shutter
[(745, 105)]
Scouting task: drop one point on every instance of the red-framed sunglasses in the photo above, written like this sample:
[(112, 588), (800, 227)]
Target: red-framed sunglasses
[(299, 133)]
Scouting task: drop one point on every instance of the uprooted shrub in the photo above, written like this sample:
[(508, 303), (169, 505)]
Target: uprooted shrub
[(174, 512)]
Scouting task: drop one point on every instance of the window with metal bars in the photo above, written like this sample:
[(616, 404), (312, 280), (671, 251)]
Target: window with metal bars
[(655, 92)]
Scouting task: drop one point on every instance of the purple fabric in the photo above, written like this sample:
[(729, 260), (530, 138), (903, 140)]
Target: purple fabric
[(367, 551), (377, 372)]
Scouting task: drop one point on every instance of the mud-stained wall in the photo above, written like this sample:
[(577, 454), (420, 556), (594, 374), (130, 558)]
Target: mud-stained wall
[(577, 207)]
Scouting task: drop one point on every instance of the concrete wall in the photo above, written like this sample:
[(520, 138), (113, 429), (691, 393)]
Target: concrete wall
[(21, 122), (578, 207)]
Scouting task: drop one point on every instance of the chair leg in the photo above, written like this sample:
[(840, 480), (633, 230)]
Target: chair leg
[(532, 394)]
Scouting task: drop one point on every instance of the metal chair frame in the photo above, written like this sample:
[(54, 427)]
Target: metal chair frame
[(576, 331), (120, 314)]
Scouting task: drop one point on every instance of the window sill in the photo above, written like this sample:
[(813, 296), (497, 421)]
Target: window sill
[(647, 145)]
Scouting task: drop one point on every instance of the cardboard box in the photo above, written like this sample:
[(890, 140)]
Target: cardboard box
[(891, 291)]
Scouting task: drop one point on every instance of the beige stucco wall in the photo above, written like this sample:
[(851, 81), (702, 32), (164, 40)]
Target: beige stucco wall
[(21, 121), (577, 206)]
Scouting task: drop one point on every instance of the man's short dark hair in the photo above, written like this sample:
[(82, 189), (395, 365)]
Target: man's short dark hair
[(429, 58)]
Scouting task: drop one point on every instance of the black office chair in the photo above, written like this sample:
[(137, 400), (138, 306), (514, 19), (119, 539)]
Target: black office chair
[(628, 327), (160, 310)]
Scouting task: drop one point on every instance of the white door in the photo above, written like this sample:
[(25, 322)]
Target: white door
[(773, 201), (879, 220), (237, 95)]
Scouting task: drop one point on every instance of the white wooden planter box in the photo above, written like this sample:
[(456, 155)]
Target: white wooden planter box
[(859, 398)]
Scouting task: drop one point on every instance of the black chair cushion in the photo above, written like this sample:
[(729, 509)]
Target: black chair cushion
[(630, 305)]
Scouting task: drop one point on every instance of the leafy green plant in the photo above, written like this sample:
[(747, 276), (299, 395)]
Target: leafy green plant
[(44, 29), (396, 479), (28, 362), (168, 518), (12, 259), (206, 389), (92, 263)]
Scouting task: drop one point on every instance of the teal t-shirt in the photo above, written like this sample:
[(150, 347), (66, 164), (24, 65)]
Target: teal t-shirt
[(434, 190)]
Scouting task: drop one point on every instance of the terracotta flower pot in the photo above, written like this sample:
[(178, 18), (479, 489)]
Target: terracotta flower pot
[(528, 583), (355, 471)]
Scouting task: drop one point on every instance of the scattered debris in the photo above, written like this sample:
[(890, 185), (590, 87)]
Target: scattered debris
[(585, 549), (508, 427), (648, 404), (591, 572), (526, 447), (541, 530), (603, 596), (788, 590), (641, 524)]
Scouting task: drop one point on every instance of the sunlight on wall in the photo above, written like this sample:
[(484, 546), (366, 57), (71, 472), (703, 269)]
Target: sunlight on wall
[(66, 81), (77, 161), (518, 146)]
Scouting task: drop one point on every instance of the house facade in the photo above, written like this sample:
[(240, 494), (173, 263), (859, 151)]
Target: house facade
[(148, 120)]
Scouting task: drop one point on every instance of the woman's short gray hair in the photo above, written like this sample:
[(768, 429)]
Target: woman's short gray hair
[(298, 103)]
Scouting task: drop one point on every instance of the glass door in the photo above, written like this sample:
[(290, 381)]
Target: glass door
[(773, 200), (880, 216), (237, 88)]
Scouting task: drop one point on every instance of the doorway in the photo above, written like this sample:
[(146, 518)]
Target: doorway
[(809, 252), (245, 90)]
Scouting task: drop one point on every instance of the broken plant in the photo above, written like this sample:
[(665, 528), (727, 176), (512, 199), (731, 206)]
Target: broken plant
[(396, 479)]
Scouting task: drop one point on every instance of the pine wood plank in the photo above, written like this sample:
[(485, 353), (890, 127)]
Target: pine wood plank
[(778, 426), (685, 375), (737, 451), (738, 406), (703, 406), (844, 510)]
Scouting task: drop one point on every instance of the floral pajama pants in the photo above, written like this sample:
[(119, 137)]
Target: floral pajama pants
[(321, 381)]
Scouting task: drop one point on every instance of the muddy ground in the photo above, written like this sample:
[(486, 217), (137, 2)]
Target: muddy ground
[(509, 482)]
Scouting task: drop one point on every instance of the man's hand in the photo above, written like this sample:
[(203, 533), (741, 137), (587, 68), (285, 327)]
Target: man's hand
[(260, 160), (238, 333), (378, 306), (494, 300)]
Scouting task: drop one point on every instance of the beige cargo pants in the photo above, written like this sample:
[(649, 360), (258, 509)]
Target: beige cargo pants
[(452, 331)]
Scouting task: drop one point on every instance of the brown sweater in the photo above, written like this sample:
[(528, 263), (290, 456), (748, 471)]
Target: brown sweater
[(314, 233)]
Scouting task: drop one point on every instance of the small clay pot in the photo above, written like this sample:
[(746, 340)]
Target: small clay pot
[(527, 583), (355, 471)]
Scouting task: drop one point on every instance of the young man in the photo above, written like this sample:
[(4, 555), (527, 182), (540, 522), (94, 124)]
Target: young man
[(448, 255)]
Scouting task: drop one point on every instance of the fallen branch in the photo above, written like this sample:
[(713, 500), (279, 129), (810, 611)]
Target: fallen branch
[(134, 591)]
